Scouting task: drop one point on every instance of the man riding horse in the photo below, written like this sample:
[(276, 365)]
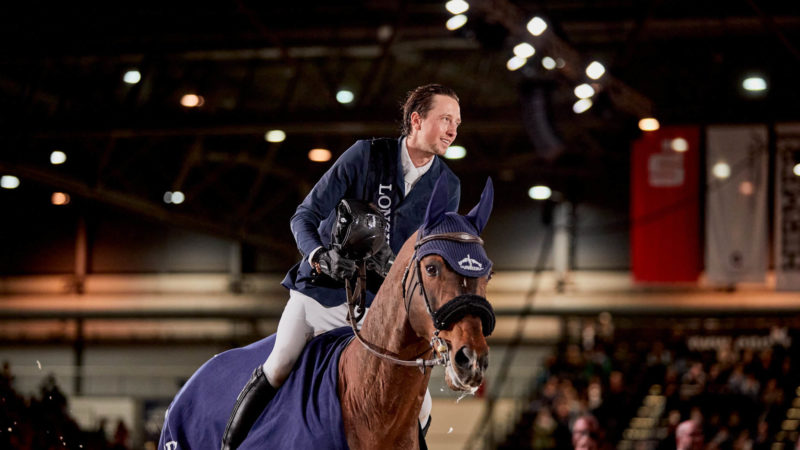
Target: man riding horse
[(365, 393), (396, 175)]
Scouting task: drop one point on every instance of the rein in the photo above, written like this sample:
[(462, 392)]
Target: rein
[(453, 310)]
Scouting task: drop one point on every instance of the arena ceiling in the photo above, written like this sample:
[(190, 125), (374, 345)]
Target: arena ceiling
[(262, 65)]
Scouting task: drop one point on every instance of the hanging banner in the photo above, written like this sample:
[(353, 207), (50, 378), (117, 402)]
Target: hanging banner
[(787, 208), (736, 204), (665, 216)]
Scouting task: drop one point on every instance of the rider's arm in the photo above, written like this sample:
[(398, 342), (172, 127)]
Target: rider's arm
[(326, 194)]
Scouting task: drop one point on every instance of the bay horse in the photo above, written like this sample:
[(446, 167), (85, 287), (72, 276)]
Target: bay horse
[(365, 392)]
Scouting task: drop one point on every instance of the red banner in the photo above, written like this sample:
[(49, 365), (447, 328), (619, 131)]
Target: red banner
[(665, 211)]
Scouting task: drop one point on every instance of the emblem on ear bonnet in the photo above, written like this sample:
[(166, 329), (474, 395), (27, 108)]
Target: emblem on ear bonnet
[(468, 259)]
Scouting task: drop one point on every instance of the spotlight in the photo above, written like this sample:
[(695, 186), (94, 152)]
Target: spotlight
[(319, 155), (132, 77), (595, 70), (192, 100), (536, 26), (457, 6), (582, 105), (721, 170), (59, 198), (649, 124), (584, 91), (754, 84), (9, 182), (540, 192), (455, 152), (524, 50), (275, 136), (344, 96), (456, 22), (515, 63), (58, 157)]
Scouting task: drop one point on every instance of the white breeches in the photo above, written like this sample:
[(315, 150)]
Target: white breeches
[(302, 319)]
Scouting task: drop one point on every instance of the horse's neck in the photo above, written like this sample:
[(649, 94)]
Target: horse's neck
[(376, 393)]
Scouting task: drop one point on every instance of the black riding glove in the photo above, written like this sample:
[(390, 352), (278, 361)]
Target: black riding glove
[(334, 265), (381, 261)]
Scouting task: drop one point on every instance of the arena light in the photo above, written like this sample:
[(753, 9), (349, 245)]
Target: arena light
[(524, 50), (582, 105), (319, 154), (344, 96), (548, 63), (796, 169), (721, 170), (536, 26), (58, 157), (584, 91), (59, 198), (132, 77), (515, 63), (649, 124), (595, 70), (192, 101), (754, 84), (455, 152), (746, 188), (679, 144), (457, 6), (540, 192), (275, 136), (456, 22), (178, 197), (9, 182)]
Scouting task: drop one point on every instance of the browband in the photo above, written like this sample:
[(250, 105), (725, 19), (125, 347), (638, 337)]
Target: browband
[(454, 236)]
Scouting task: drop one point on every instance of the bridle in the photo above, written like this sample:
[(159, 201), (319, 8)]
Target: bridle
[(452, 311)]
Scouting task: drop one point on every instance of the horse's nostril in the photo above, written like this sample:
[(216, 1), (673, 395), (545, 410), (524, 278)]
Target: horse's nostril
[(462, 359)]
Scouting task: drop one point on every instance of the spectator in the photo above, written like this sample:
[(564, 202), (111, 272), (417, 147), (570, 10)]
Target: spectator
[(689, 436)]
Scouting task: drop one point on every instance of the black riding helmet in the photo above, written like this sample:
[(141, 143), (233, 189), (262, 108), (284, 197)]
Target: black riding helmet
[(359, 231)]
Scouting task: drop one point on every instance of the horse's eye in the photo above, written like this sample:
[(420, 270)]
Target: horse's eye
[(431, 270), (491, 274)]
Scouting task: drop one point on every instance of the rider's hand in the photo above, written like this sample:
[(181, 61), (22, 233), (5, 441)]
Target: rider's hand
[(334, 265), (381, 261)]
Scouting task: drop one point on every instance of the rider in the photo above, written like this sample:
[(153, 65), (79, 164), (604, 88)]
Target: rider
[(396, 175)]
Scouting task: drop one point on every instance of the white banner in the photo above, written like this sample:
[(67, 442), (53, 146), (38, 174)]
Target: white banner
[(787, 208), (736, 204)]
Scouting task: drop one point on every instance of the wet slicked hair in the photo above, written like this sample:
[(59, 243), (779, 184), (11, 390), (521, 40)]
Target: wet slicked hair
[(420, 100)]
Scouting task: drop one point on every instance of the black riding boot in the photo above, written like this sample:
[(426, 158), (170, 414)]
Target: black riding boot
[(423, 431), (250, 403)]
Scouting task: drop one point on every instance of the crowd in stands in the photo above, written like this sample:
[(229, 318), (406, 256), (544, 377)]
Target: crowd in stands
[(732, 396), (43, 422)]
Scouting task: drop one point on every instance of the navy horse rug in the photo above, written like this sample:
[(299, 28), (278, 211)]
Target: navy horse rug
[(305, 412)]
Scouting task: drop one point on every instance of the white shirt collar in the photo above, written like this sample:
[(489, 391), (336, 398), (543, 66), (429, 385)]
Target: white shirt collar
[(411, 174)]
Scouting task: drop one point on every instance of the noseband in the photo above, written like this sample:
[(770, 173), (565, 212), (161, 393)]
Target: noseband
[(442, 318)]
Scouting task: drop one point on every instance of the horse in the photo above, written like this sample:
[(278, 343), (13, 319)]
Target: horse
[(364, 389)]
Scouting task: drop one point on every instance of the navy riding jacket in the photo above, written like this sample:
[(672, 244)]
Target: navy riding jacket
[(349, 177)]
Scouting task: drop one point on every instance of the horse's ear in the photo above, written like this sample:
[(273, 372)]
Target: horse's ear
[(479, 215), (437, 205)]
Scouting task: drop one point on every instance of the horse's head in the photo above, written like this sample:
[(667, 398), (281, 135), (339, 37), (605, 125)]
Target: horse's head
[(444, 287)]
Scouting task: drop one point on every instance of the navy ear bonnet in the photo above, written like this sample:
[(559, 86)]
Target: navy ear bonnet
[(466, 258)]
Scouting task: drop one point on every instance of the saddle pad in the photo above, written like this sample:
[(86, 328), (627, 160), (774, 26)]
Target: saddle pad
[(305, 413)]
